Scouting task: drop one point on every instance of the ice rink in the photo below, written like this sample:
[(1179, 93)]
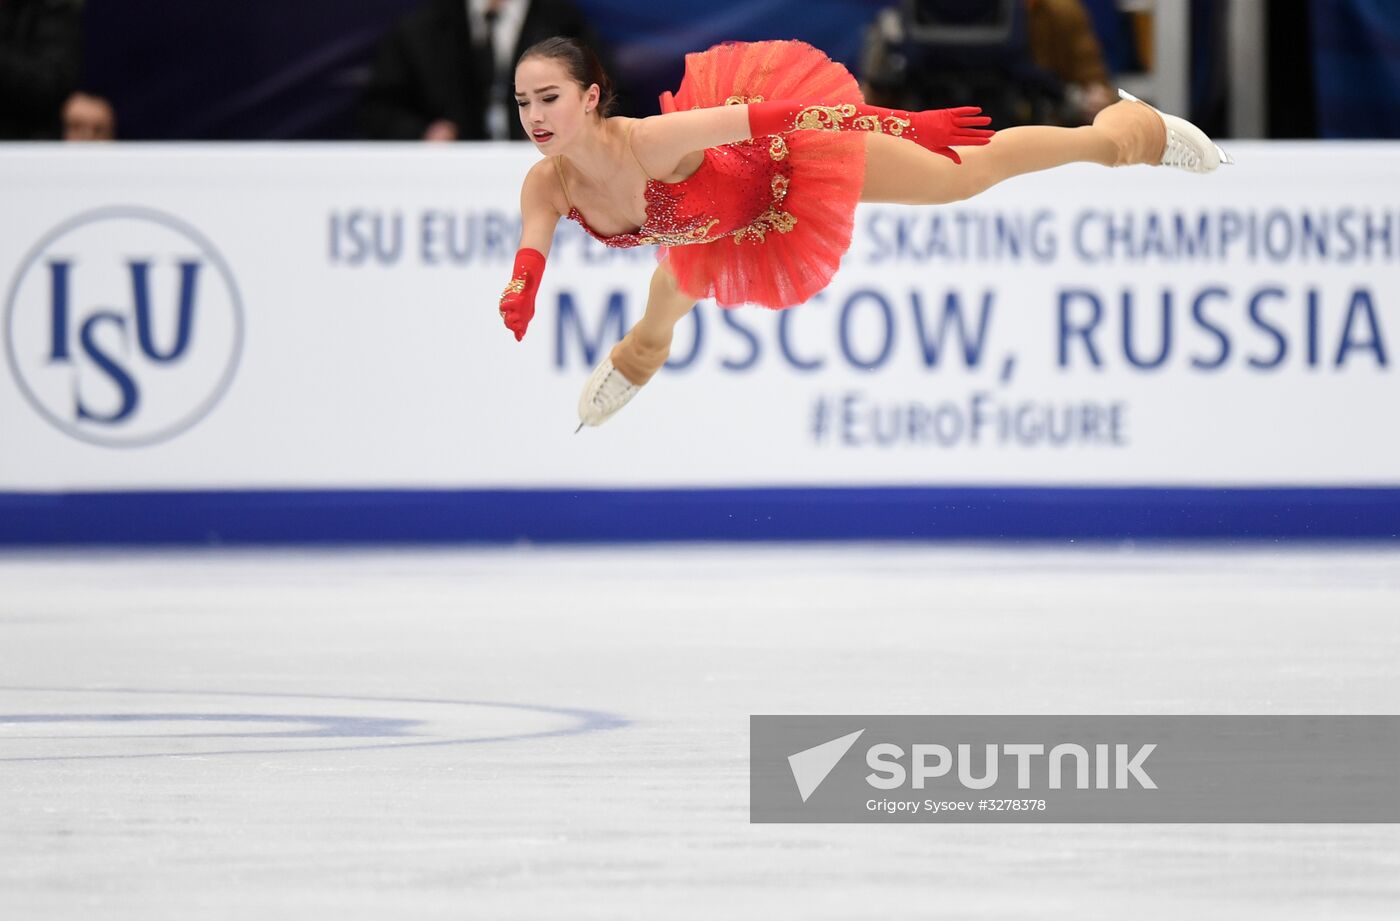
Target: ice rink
[(563, 733)]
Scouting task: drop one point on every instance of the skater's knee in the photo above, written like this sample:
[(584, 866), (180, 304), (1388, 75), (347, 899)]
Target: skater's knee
[(960, 187), (966, 189)]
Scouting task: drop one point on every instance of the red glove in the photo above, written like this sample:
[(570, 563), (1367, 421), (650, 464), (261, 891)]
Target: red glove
[(518, 299), (936, 129)]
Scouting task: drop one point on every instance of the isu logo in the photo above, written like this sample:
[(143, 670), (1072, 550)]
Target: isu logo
[(123, 327)]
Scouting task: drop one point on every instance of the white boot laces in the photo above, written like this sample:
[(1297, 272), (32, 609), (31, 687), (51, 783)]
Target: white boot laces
[(1180, 153), (613, 392)]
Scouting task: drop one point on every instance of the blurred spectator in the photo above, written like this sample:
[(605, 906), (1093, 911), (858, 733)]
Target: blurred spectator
[(88, 118), (446, 71), (923, 54), (39, 58), (1064, 43), (1023, 61)]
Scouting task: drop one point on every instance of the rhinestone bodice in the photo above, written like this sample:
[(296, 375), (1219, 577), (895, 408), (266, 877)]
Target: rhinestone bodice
[(737, 192)]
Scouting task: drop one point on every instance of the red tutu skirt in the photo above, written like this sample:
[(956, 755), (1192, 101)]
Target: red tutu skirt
[(827, 170)]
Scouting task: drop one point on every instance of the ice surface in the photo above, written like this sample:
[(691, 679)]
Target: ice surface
[(563, 733)]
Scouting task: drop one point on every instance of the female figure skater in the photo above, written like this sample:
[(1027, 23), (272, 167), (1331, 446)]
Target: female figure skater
[(749, 179)]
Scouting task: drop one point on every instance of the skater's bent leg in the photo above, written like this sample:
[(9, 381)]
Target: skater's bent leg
[(667, 305), (643, 351), (898, 172)]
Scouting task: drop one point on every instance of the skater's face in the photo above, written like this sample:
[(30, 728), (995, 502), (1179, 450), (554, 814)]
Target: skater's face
[(553, 107)]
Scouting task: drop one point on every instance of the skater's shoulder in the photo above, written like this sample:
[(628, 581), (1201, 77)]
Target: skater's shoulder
[(541, 174), (542, 187)]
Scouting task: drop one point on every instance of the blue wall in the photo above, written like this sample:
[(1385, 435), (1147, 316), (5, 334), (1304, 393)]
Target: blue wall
[(508, 516)]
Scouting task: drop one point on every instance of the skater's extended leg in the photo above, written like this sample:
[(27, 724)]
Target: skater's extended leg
[(898, 172)]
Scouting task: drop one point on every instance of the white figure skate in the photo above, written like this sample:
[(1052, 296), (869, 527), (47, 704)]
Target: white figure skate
[(606, 392), (1188, 148)]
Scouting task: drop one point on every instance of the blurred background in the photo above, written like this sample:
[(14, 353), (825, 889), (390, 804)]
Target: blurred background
[(332, 70)]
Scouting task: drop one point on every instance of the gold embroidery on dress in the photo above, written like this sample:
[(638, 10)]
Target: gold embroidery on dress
[(823, 118), (741, 100), (698, 234), (890, 125), (778, 149), (772, 219), (516, 286)]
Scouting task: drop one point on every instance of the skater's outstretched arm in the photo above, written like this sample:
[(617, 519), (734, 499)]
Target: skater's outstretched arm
[(539, 217), (663, 141), (938, 130)]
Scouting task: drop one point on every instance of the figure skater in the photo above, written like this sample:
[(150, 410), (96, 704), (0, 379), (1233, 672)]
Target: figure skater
[(749, 179)]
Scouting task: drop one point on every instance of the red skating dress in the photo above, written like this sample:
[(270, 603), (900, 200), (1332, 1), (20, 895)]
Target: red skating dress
[(764, 221)]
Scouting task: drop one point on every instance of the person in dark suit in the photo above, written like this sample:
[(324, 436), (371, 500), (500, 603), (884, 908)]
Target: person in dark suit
[(39, 60), (445, 71)]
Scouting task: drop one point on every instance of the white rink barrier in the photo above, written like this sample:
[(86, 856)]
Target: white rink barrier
[(301, 343)]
